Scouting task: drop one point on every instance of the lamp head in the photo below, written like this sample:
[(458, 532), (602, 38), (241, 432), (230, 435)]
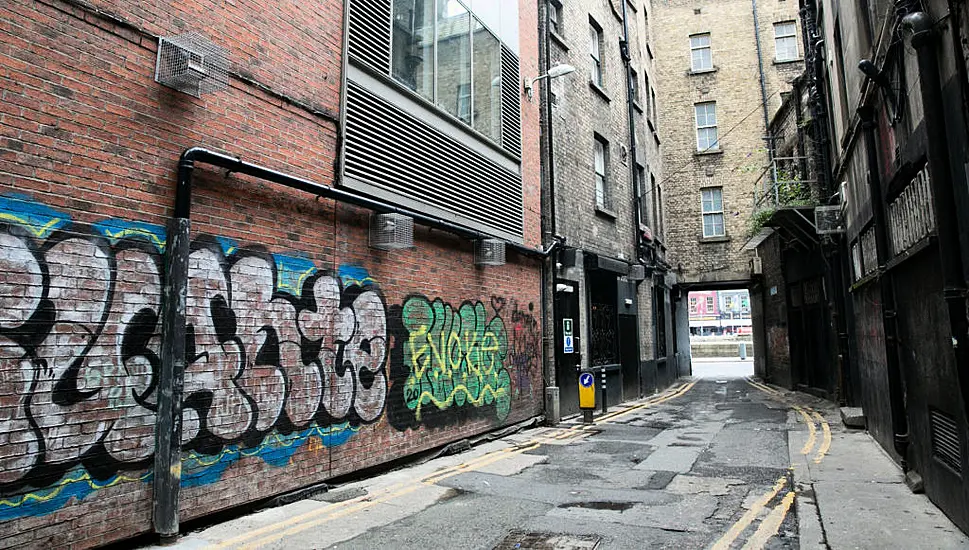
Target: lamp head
[(561, 69)]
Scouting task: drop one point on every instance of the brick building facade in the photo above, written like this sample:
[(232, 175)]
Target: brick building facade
[(710, 56), (308, 354), (609, 275)]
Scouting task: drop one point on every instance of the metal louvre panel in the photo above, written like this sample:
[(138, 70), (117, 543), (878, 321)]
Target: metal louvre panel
[(945, 440), (369, 35), (511, 119), (392, 149)]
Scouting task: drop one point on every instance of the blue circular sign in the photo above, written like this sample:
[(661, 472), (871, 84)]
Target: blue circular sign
[(586, 379)]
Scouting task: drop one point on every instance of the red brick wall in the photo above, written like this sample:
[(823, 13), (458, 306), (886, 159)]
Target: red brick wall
[(304, 341)]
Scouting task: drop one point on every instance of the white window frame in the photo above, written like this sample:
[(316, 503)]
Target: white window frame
[(600, 166), (595, 52), (703, 126), (710, 304), (694, 305), (697, 45), (785, 41), (711, 210)]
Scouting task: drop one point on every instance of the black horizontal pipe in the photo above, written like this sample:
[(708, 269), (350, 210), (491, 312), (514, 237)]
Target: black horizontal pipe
[(188, 159)]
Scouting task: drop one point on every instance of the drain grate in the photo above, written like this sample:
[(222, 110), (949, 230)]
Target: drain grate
[(522, 540)]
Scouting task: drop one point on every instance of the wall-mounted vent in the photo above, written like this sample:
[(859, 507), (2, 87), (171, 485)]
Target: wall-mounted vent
[(946, 444), (489, 252), (391, 231), (369, 36), (511, 118), (829, 220), (192, 64), (392, 152)]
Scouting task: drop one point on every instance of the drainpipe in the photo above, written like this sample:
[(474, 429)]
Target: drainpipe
[(548, 225), (896, 391), (625, 53), (763, 99), (168, 432), (943, 191)]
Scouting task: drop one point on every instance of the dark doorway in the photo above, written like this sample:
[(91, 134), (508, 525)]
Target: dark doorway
[(567, 364), (629, 356)]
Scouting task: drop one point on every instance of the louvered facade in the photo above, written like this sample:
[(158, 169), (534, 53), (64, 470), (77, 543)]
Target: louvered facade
[(435, 125)]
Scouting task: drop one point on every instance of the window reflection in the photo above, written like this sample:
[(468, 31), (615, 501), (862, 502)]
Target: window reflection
[(413, 45), (487, 82), (454, 59)]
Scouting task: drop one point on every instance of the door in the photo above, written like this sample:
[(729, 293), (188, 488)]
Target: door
[(567, 357)]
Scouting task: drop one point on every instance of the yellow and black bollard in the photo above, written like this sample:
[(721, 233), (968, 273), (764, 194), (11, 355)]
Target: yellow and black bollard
[(587, 395)]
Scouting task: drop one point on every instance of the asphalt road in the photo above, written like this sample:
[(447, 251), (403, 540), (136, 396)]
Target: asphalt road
[(705, 465)]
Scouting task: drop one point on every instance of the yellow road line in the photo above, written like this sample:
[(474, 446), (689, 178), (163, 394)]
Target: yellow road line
[(737, 528), (812, 431), (679, 393), (826, 442), (771, 524), (668, 394), (364, 505)]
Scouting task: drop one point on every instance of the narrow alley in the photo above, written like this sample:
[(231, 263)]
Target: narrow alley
[(708, 464)]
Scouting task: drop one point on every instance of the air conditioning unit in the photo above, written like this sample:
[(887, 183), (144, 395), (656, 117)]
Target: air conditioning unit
[(192, 64), (637, 272), (489, 252), (391, 231), (829, 220), (756, 266)]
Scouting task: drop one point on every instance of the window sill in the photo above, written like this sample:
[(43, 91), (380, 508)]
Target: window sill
[(691, 72), (605, 213), (717, 151), (558, 39), (788, 61), (597, 89), (713, 240)]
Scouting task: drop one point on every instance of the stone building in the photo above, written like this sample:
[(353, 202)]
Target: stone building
[(610, 283), (724, 68)]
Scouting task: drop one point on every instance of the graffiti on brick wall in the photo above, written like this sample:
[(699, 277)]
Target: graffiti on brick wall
[(279, 355), (524, 342), (449, 363)]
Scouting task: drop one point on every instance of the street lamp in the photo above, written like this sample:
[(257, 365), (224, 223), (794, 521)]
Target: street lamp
[(555, 72)]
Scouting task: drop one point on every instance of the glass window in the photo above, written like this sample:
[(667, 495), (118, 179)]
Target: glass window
[(693, 305), (453, 58), (709, 304), (602, 192), (487, 83), (642, 205), (554, 15), (706, 126), (413, 45), (595, 46), (652, 107), (701, 55), (712, 198), (635, 79), (785, 41)]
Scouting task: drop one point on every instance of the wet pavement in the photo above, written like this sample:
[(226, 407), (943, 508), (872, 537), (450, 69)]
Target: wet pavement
[(712, 463)]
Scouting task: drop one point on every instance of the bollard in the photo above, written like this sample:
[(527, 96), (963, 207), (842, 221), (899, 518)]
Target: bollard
[(604, 406), (587, 395), (743, 351)]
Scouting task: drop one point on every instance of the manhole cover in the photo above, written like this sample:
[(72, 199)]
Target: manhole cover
[(520, 540)]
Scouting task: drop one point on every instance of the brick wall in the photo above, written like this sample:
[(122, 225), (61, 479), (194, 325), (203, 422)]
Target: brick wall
[(734, 86), (310, 355)]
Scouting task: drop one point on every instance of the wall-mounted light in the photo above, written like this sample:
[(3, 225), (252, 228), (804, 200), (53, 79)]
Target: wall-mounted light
[(555, 72), (890, 94)]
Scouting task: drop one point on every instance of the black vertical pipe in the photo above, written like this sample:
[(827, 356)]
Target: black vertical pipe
[(896, 392), (168, 426), (943, 191)]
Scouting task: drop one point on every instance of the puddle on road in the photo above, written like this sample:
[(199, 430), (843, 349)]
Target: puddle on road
[(600, 505)]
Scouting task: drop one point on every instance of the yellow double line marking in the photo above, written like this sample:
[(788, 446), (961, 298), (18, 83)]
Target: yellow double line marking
[(771, 524), (271, 533)]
